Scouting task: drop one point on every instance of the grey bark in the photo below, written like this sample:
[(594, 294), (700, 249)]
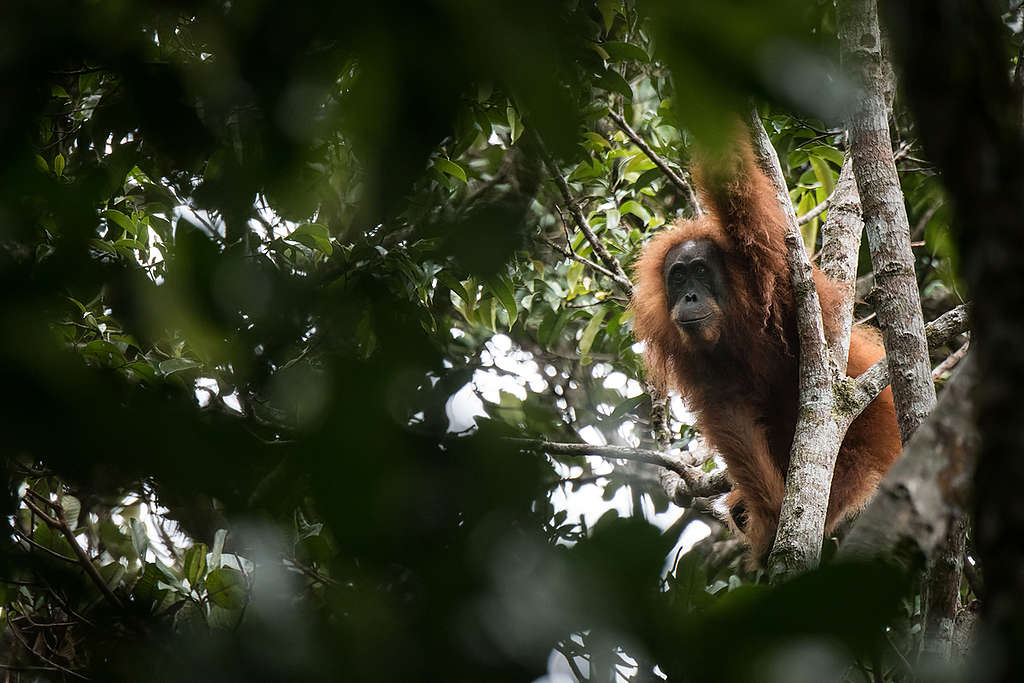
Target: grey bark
[(813, 213), (690, 481), (819, 431), (876, 378), (840, 242), (940, 597), (897, 303)]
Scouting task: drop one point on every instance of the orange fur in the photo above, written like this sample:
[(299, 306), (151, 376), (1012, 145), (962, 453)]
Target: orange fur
[(743, 386)]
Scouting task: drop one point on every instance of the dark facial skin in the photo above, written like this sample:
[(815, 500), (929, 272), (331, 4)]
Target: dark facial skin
[(694, 285)]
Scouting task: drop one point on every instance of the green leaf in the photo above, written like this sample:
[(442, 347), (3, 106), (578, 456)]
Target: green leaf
[(586, 170), (647, 177), (638, 164), (227, 588), (112, 574), (103, 352), (485, 313), (620, 52), (514, 123), (451, 168), (102, 245), (140, 539), (809, 230), (830, 153), (596, 139), (218, 547), (58, 164), (131, 244), (502, 289), (314, 236), (572, 276), (551, 327), (195, 564), (636, 208), (224, 619), (190, 619), (608, 11), (41, 164), (824, 174), (627, 407), (612, 218), (88, 82), (613, 82), (172, 365), (147, 587), (161, 226), (591, 330), (451, 282), (121, 220), (59, 91), (72, 508)]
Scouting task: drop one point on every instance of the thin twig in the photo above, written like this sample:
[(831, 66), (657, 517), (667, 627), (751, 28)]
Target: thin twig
[(697, 482), (13, 629), (83, 557), (309, 572), (568, 253), (21, 534), (684, 187), (950, 362), (810, 215), (581, 223)]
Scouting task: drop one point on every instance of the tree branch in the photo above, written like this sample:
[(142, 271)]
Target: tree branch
[(938, 333), (810, 215), (840, 242), (819, 431), (684, 187), (898, 301), (580, 220), (83, 558), (569, 254), (697, 482), (950, 362)]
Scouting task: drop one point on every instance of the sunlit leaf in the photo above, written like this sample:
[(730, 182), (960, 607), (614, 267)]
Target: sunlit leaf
[(637, 209), (227, 588), (502, 289), (172, 365), (824, 174), (194, 566), (591, 330), (121, 220), (620, 52), (450, 167), (71, 507), (314, 236)]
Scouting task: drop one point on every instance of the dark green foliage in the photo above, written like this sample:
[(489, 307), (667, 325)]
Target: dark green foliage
[(250, 251)]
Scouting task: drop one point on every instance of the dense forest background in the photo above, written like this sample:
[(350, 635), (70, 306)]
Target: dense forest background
[(301, 329)]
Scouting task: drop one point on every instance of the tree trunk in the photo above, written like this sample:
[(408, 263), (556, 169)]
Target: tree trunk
[(953, 54), (897, 301), (941, 596)]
